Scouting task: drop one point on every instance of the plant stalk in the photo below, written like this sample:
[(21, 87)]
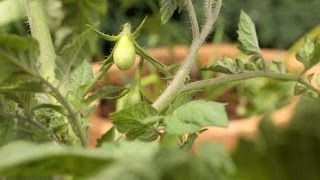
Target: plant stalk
[(73, 117), (40, 31), (183, 73), (244, 76), (33, 122)]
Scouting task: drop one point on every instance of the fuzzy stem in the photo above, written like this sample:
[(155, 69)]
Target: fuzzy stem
[(73, 117), (193, 19), (40, 31), (183, 73), (31, 121), (244, 76)]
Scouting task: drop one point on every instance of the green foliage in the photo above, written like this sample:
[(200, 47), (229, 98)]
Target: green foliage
[(17, 55), (180, 100), (76, 15), (79, 79), (35, 109), (226, 66), (72, 55), (280, 153), (309, 54), (21, 158), (125, 160), (137, 120), (248, 36), (278, 22), (191, 117), (168, 7)]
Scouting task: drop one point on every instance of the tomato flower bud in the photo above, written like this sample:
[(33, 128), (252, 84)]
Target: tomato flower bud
[(124, 53)]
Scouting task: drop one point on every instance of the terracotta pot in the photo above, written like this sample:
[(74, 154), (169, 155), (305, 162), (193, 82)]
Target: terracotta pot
[(228, 136)]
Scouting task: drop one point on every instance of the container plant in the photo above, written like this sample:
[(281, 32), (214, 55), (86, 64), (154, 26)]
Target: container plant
[(47, 95)]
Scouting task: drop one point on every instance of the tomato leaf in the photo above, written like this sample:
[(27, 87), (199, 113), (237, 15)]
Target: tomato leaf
[(193, 116), (22, 158), (135, 120), (247, 36)]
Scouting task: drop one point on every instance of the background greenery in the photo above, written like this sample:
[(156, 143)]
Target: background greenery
[(279, 22)]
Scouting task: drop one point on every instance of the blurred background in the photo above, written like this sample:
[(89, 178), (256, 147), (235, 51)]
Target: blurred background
[(287, 153)]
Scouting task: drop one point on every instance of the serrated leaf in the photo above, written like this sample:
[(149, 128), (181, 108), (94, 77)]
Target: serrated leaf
[(240, 64), (18, 55), (135, 120), (80, 77), (180, 100), (25, 159), (56, 108), (79, 80), (278, 66), (305, 53), (72, 55), (193, 116), (76, 15), (7, 126), (106, 137), (250, 66), (22, 83), (247, 36), (226, 66), (167, 8)]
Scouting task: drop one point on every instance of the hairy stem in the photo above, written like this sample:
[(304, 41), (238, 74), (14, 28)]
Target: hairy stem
[(193, 19), (73, 117), (98, 77), (40, 31), (30, 121), (183, 73), (244, 76)]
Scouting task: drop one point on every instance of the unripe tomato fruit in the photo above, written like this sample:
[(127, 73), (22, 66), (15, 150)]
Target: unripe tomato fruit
[(124, 53)]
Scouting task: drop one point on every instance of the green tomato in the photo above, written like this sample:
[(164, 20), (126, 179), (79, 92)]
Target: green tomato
[(124, 54)]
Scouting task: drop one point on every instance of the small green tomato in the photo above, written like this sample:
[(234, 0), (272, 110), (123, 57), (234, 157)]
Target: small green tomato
[(124, 54)]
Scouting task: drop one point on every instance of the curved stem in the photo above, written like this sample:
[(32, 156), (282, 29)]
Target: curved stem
[(183, 73), (73, 117), (193, 19), (31, 121), (244, 76), (102, 72)]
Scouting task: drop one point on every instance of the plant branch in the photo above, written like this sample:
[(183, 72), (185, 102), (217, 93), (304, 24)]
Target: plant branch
[(193, 19), (98, 77), (244, 76), (40, 31), (73, 117), (31, 121), (183, 73)]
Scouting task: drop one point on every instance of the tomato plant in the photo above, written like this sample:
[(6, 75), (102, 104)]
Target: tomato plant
[(47, 90)]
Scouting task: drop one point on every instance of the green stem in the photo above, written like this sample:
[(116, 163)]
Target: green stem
[(193, 19), (40, 31), (102, 72), (183, 73), (73, 117), (244, 76), (30, 121)]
